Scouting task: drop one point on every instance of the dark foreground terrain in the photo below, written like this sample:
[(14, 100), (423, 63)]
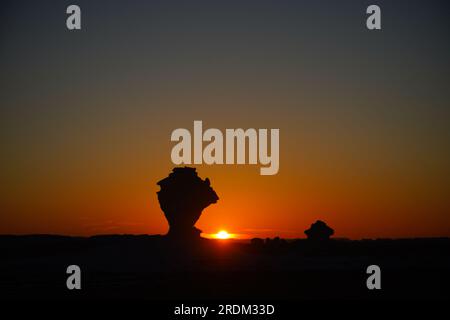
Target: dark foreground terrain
[(153, 267)]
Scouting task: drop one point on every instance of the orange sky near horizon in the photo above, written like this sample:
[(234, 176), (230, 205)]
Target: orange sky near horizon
[(109, 191)]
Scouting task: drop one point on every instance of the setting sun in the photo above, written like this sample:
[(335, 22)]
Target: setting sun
[(223, 235)]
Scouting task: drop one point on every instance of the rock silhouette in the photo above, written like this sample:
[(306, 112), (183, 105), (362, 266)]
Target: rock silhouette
[(182, 198), (319, 231)]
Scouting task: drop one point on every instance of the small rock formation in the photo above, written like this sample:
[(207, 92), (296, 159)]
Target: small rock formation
[(319, 231), (182, 198)]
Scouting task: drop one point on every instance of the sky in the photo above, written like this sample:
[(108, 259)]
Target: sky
[(364, 116)]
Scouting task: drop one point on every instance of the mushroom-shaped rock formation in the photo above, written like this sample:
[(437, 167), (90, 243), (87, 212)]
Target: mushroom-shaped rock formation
[(182, 198), (319, 231)]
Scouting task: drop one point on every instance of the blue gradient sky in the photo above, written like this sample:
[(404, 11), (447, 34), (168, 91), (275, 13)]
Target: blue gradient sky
[(86, 116)]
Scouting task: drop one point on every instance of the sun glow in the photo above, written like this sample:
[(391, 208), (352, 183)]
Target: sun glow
[(222, 235)]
